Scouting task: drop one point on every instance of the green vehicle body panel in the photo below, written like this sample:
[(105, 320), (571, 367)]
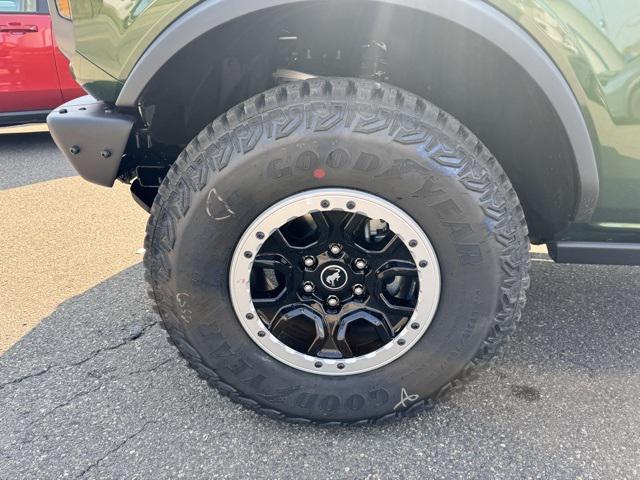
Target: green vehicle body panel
[(594, 43), (114, 34)]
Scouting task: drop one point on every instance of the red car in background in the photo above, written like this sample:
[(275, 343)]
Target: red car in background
[(34, 75)]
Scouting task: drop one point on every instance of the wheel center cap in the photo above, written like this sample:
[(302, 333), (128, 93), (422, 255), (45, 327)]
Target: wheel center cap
[(334, 277)]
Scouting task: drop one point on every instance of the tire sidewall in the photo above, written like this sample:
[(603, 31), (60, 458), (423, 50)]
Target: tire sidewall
[(451, 217)]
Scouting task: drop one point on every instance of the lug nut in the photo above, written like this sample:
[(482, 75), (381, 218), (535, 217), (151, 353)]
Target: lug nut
[(333, 301), (358, 290), (309, 262), (361, 264), (308, 287), (335, 249)]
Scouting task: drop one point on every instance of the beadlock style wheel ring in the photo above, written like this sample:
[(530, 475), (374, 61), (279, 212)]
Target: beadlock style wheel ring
[(335, 282)]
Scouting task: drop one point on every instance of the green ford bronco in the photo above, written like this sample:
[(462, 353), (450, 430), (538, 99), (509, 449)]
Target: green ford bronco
[(342, 193)]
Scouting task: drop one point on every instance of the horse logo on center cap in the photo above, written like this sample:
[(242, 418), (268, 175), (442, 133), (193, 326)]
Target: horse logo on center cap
[(334, 277)]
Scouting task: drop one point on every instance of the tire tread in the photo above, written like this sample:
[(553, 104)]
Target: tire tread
[(190, 172)]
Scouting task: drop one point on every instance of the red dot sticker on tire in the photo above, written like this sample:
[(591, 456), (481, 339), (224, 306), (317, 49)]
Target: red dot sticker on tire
[(319, 173)]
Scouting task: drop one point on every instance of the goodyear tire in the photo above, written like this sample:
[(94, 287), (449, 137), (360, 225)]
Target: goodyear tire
[(357, 136)]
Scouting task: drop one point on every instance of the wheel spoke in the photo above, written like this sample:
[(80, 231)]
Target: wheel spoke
[(271, 272), (351, 223), (396, 292), (396, 317), (334, 347), (273, 262), (276, 244), (272, 285), (268, 311), (374, 328), (397, 269), (303, 326), (397, 250), (325, 228)]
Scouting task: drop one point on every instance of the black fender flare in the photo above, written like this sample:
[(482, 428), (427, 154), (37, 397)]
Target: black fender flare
[(476, 16)]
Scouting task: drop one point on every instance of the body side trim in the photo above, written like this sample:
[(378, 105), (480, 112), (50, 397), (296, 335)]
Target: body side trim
[(18, 118), (595, 253)]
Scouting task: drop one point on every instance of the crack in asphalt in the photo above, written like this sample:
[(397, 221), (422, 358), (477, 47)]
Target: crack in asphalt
[(26, 377), (97, 374), (113, 450), (590, 370), (83, 393), (66, 403), (147, 370), (131, 338)]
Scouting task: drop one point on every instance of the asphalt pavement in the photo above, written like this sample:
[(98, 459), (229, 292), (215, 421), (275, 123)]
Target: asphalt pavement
[(30, 158), (95, 391), (59, 235)]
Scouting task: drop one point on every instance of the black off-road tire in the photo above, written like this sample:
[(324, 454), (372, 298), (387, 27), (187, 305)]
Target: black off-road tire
[(365, 136)]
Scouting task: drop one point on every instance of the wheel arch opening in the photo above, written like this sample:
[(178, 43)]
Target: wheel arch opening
[(439, 60)]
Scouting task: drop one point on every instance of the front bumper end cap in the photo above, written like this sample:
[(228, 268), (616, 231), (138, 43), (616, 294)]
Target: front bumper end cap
[(93, 136)]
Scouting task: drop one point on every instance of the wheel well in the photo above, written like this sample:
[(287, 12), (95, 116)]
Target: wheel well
[(452, 67)]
